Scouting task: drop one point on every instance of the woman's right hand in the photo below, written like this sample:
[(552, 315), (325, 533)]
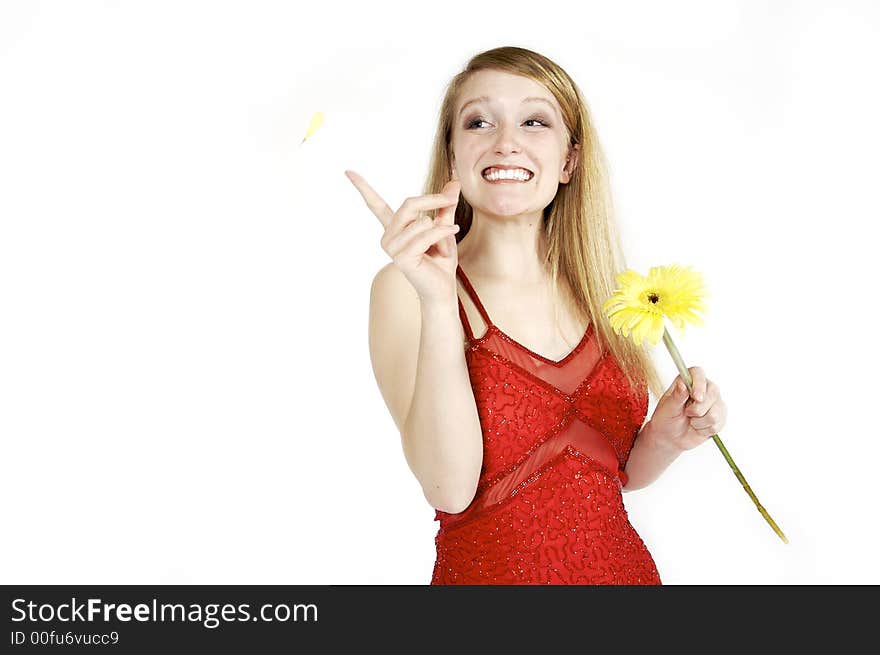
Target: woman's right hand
[(424, 249)]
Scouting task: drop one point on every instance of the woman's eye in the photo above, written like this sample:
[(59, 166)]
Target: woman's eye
[(474, 122)]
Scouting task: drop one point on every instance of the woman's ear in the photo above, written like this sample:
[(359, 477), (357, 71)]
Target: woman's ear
[(571, 163)]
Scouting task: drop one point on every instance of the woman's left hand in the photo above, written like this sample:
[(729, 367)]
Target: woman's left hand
[(683, 421)]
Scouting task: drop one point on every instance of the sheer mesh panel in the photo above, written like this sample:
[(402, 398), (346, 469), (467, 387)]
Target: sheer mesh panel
[(565, 375)]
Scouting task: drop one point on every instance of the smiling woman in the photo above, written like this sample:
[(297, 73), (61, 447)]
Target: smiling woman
[(519, 427)]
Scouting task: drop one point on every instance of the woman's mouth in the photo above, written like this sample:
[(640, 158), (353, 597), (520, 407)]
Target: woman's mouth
[(506, 176)]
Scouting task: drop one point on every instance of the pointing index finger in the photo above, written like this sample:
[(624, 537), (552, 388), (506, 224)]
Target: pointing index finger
[(374, 201)]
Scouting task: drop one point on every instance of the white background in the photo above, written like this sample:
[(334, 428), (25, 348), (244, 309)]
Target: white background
[(186, 394)]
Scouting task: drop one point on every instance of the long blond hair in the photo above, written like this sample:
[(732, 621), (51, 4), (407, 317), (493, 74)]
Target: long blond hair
[(584, 246)]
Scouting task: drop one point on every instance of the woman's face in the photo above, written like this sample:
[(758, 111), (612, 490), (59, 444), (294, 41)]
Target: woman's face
[(509, 128)]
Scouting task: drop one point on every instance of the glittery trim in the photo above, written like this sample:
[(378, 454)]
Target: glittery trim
[(509, 339), (477, 344)]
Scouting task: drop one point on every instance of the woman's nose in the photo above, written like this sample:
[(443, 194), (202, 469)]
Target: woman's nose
[(506, 139)]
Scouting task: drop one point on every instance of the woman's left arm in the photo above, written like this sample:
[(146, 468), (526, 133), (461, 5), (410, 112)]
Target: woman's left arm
[(680, 422)]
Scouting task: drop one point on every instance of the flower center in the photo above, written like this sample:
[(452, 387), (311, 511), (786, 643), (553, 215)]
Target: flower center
[(654, 298)]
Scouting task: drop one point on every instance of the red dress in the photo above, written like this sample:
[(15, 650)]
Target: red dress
[(556, 437)]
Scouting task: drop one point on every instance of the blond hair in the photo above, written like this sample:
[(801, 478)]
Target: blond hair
[(584, 246)]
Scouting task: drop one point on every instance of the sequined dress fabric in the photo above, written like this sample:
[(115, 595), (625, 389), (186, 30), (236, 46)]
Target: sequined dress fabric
[(556, 438)]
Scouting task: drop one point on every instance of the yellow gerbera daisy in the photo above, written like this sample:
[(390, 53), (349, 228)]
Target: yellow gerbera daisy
[(640, 303)]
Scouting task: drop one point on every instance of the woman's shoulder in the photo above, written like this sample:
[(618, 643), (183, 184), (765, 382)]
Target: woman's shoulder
[(390, 281)]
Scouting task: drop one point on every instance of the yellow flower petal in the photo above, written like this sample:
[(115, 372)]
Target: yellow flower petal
[(316, 122)]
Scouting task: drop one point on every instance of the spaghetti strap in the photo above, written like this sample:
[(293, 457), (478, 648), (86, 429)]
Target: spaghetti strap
[(474, 297), (464, 321)]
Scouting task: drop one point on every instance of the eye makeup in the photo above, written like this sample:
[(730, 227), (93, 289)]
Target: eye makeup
[(471, 122)]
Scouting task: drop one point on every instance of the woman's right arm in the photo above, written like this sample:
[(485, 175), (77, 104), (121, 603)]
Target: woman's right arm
[(416, 349)]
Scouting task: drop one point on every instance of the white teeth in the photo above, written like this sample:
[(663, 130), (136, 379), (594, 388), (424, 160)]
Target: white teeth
[(505, 174)]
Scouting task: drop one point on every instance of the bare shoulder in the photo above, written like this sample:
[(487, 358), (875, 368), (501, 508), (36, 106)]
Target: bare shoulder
[(394, 332), (393, 301), (390, 280)]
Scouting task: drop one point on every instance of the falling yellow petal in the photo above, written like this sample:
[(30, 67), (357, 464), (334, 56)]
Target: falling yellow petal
[(639, 304), (316, 122)]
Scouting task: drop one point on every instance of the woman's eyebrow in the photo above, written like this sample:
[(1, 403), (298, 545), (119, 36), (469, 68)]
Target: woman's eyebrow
[(486, 99)]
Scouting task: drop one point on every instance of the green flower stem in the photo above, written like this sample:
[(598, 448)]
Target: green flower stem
[(686, 375)]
